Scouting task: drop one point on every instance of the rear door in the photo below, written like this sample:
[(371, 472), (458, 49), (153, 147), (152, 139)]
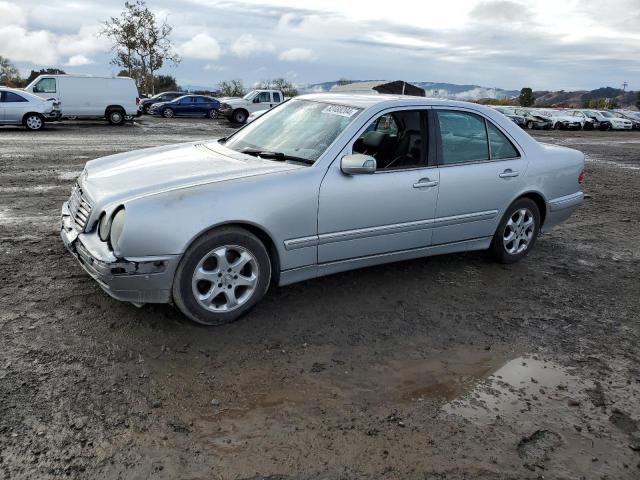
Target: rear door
[(481, 172)]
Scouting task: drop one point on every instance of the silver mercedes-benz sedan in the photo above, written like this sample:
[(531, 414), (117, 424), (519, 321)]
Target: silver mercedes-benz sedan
[(320, 184)]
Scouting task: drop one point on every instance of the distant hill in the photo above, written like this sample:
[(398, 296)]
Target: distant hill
[(580, 98), (432, 89)]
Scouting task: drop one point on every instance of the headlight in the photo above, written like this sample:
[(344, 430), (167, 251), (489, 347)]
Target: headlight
[(117, 225), (103, 227)]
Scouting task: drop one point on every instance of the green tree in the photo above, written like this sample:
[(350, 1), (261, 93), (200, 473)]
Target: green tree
[(231, 88), (165, 83), (141, 45), (43, 71), (9, 75), (343, 81), (526, 97)]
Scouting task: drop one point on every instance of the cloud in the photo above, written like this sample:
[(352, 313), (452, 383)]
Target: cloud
[(11, 14), (202, 46), (78, 61), (215, 68), (297, 55), (20, 45), (247, 45)]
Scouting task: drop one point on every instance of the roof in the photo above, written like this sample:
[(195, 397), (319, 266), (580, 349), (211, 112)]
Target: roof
[(362, 100)]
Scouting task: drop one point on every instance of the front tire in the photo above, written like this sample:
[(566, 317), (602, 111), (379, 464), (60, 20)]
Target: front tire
[(34, 121), (212, 113), (222, 276), (240, 116), (168, 113), (517, 232)]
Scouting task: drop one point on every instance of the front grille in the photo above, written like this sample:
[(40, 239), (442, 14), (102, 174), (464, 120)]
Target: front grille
[(79, 208)]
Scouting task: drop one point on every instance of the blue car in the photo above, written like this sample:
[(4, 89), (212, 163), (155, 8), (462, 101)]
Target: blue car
[(187, 106)]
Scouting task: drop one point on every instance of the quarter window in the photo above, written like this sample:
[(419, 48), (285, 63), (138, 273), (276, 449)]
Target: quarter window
[(396, 140), (276, 97), (46, 85)]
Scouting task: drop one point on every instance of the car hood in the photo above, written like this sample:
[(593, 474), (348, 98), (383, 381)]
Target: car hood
[(130, 175)]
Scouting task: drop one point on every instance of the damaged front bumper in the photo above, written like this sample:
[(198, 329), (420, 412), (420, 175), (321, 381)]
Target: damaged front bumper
[(136, 280)]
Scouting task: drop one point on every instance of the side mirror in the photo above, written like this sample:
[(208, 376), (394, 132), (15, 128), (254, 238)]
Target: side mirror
[(256, 100), (357, 164)]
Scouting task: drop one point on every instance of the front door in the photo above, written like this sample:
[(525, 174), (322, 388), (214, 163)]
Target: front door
[(13, 107), (481, 172), (389, 210)]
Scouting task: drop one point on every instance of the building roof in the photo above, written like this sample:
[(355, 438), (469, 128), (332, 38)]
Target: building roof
[(398, 87)]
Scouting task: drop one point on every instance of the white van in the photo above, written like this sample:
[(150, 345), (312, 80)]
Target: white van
[(115, 99)]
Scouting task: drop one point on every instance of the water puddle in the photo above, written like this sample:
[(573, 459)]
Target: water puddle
[(517, 387)]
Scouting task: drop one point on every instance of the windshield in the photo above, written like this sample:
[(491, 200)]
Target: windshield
[(249, 95), (606, 114), (504, 111), (297, 128)]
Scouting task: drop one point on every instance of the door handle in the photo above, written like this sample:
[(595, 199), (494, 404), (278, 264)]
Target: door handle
[(425, 183), (508, 173)]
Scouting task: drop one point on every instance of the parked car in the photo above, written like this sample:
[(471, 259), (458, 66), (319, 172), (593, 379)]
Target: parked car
[(237, 110), (115, 99), (561, 119), (18, 107), (509, 113), (187, 106), (608, 121), (588, 122), (635, 119), (533, 120), (322, 184), (162, 97)]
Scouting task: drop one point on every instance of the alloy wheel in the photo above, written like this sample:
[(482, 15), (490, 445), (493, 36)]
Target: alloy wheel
[(518, 232), (34, 122), (225, 278)]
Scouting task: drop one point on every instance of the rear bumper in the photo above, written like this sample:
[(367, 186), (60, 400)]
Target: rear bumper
[(140, 280), (560, 209)]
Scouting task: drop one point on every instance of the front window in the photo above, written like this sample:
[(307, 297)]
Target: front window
[(263, 97), (46, 85), (297, 128)]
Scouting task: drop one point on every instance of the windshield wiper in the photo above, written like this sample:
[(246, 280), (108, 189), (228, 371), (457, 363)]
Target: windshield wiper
[(276, 156)]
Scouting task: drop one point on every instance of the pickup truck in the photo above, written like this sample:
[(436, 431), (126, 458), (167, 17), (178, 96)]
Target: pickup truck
[(237, 109)]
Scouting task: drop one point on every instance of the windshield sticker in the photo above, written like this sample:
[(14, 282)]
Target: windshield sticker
[(340, 110)]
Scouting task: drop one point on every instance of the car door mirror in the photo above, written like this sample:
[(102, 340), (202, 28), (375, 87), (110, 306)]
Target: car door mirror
[(256, 100), (357, 164)]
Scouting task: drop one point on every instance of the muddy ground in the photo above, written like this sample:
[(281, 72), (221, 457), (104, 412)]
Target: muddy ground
[(443, 368)]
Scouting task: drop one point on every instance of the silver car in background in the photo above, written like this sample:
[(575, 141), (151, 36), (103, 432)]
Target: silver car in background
[(18, 107), (320, 184)]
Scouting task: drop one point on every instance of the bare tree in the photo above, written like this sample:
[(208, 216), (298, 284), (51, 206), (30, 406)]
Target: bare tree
[(141, 45), (9, 74), (282, 84), (231, 88)]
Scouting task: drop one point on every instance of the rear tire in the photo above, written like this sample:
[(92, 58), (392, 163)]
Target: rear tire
[(222, 276), (517, 232), (115, 117), (212, 113), (33, 121)]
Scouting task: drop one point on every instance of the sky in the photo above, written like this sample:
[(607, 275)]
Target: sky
[(543, 44)]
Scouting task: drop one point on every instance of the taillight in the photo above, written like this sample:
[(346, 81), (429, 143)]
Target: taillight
[(137, 100), (581, 177)]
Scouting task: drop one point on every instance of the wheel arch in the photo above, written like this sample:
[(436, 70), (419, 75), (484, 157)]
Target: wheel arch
[(26, 115), (113, 107), (539, 200), (258, 231)]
